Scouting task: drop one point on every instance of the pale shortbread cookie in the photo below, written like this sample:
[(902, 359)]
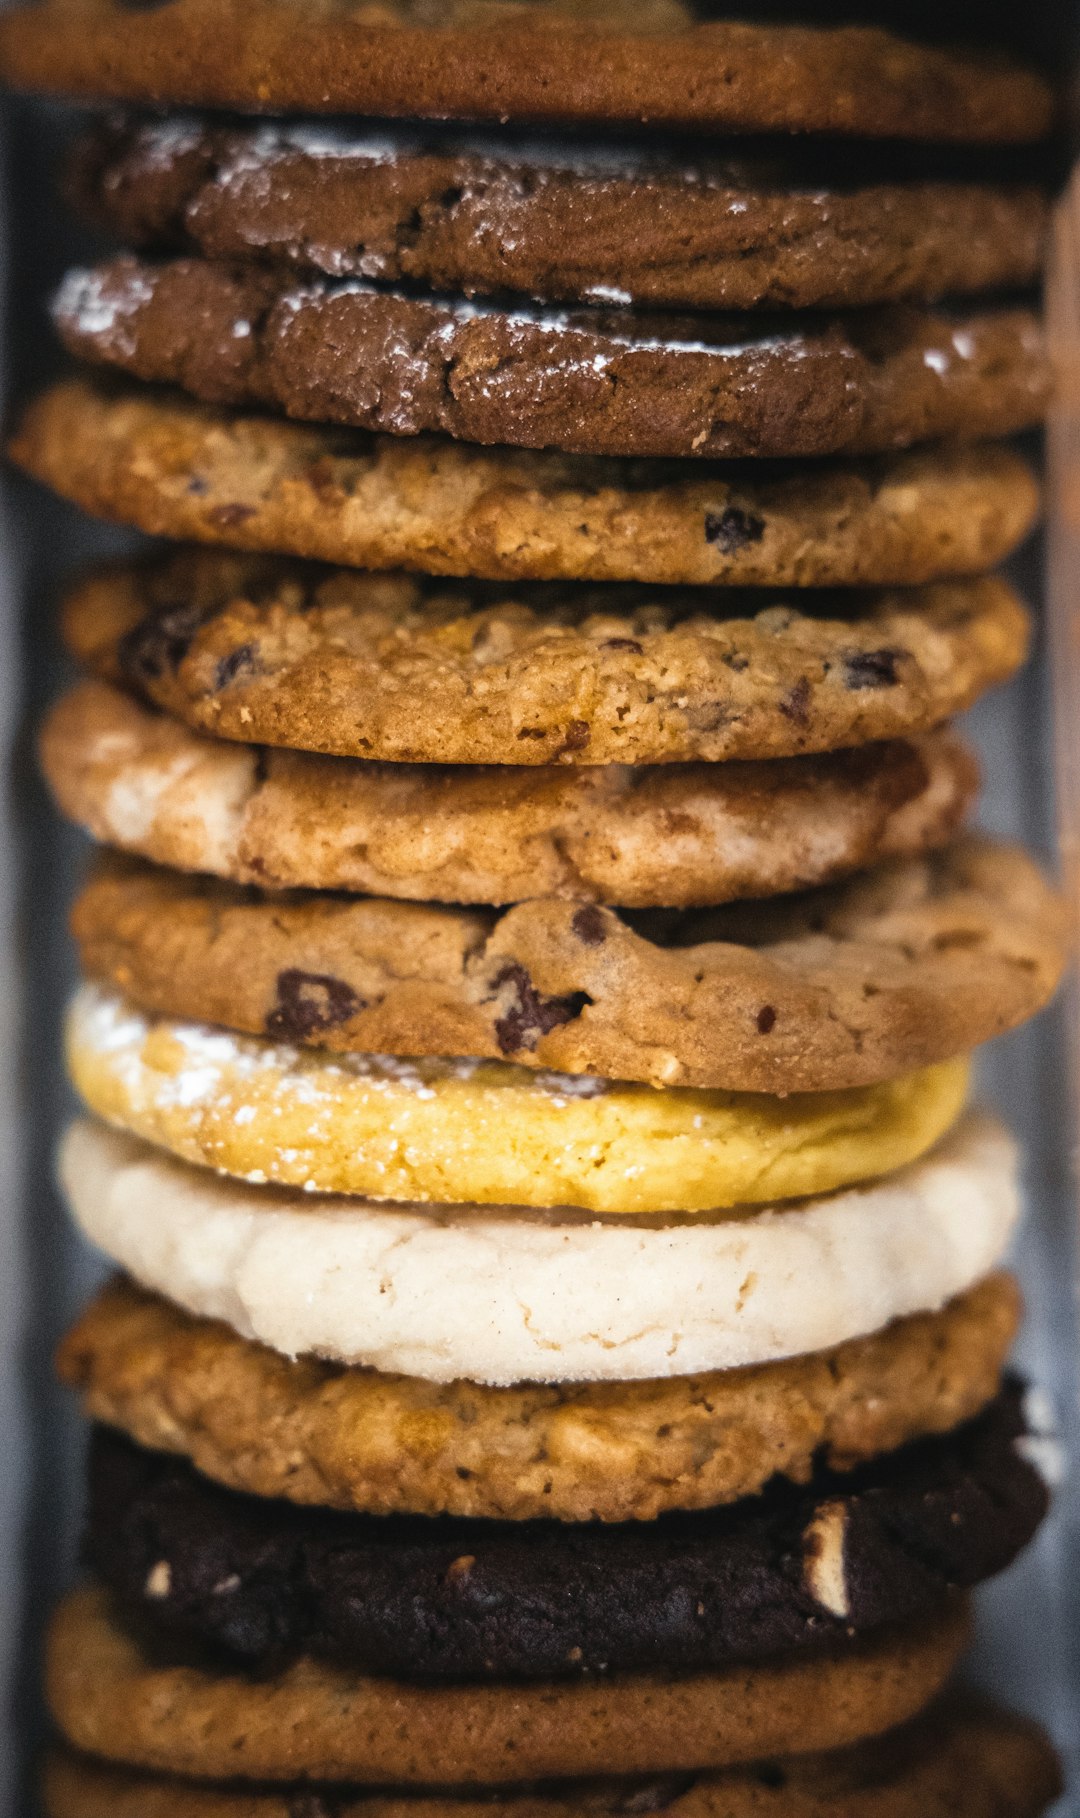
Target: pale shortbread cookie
[(315, 1720), (677, 836), (461, 1131), (499, 1296), (179, 469)]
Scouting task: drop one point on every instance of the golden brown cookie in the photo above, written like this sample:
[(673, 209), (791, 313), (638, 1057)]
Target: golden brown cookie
[(112, 1697), (574, 222), (916, 962), (976, 1759), (594, 382), (354, 1439), (271, 652), (625, 61), (176, 468), (675, 835)]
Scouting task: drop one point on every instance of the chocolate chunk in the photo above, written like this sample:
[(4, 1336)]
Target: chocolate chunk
[(766, 1019), (588, 924), (308, 1002), (794, 705), (576, 737), (241, 661), (624, 644), (871, 669), (529, 1015), (733, 528), (158, 645)]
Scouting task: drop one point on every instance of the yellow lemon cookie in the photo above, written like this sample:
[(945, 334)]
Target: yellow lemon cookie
[(485, 1132)]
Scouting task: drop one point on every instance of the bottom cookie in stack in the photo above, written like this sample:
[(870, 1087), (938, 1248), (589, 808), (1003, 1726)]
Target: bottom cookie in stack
[(962, 1756)]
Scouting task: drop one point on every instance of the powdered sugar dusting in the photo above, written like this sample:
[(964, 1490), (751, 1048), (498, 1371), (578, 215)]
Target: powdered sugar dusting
[(94, 304), (212, 1060)]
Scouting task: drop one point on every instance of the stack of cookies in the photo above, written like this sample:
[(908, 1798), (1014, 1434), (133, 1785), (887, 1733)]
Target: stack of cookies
[(531, 980)]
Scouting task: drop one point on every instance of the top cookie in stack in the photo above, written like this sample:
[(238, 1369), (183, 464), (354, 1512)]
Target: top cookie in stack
[(548, 909)]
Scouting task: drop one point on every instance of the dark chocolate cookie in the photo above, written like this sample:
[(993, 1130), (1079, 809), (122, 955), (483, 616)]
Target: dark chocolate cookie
[(600, 382), (458, 1600), (571, 222)]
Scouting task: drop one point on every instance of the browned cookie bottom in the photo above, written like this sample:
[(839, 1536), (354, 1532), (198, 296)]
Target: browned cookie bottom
[(971, 1758)]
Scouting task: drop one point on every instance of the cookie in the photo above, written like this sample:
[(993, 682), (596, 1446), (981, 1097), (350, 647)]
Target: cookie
[(591, 382), (180, 469), (378, 1444), (914, 963), (433, 1131), (965, 1757), (133, 1703), (673, 835), (270, 652), (577, 222), (264, 1583), (501, 1297), (617, 61)]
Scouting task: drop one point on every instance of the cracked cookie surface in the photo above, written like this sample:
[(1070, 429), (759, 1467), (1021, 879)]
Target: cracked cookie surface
[(574, 222), (270, 652), (590, 381)]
